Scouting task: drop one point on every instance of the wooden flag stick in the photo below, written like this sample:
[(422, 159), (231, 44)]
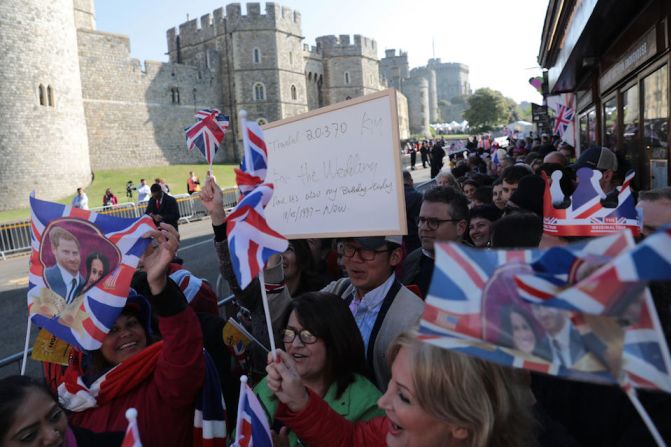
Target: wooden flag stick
[(266, 311)]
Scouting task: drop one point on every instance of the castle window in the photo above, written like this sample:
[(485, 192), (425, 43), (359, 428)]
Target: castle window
[(50, 96), (43, 95), (174, 93), (293, 92), (347, 77), (256, 58), (259, 92), (347, 98), (261, 121), (291, 58)]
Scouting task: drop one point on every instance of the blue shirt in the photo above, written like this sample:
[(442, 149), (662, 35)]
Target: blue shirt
[(365, 310)]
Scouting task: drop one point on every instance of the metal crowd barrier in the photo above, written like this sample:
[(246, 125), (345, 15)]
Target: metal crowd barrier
[(15, 236)]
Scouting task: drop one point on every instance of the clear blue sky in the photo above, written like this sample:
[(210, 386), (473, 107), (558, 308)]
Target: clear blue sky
[(499, 40)]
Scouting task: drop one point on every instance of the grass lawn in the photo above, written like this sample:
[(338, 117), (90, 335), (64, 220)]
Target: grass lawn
[(174, 175)]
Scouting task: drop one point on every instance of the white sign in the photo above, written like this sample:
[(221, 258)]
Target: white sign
[(337, 171)]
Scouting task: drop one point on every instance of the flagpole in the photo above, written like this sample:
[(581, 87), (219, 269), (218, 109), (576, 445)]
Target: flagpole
[(266, 311), (633, 397), (242, 118), (238, 421), (25, 347)]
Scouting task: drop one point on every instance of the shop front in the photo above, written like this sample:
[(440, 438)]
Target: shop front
[(615, 57)]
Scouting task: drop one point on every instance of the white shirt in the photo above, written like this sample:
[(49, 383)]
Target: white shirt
[(67, 279), (81, 201), (143, 193)]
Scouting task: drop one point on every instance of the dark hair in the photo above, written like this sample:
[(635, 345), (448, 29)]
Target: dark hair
[(470, 181), (513, 174), (155, 188), (507, 325), (489, 212), (517, 230), (457, 202), (305, 262), (484, 194), (13, 390), (99, 256), (328, 317)]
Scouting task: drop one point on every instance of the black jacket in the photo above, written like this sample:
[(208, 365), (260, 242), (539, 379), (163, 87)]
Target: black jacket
[(168, 210)]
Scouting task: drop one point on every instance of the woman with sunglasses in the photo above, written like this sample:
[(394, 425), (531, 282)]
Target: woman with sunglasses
[(323, 340)]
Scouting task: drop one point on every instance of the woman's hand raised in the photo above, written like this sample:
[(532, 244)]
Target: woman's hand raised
[(284, 381), (156, 260)]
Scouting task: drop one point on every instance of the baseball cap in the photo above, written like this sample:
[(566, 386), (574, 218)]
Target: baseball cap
[(600, 158), (373, 242)]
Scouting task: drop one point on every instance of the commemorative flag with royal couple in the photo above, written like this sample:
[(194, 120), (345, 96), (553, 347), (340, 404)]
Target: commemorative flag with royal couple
[(582, 311), (251, 241), (81, 266)]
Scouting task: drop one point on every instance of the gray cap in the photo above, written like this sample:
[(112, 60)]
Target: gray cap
[(373, 242), (600, 158)]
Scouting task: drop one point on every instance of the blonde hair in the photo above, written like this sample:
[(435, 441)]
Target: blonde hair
[(451, 180), (491, 402)]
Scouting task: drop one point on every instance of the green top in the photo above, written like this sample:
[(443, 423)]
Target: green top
[(357, 403)]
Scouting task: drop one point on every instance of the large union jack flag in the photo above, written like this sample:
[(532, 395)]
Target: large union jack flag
[(250, 240), (252, 429), (254, 166), (563, 119), (512, 306), (208, 133), (96, 299)]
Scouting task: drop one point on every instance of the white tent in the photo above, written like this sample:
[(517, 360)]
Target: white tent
[(522, 128)]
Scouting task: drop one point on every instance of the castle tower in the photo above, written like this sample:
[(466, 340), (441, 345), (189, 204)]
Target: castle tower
[(417, 91), (451, 79), (43, 141), (85, 15), (430, 76), (394, 68), (351, 68)]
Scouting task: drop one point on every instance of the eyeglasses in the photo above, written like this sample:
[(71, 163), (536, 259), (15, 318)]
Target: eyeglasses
[(366, 254), (432, 223), (305, 336)]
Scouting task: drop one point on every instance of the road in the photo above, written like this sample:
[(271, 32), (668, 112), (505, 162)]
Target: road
[(196, 250)]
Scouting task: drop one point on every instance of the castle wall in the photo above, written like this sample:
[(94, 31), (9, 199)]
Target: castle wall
[(451, 79), (42, 147), (133, 115), (85, 14), (403, 117), (314, 76), (394, 68)]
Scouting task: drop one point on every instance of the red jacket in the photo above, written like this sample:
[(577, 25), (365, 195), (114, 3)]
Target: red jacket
[(165, 402), (318, 425)]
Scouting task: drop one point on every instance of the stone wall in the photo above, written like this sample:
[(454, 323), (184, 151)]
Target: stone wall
[(417, 92), (136, 115), (394, 68), (42, 147)]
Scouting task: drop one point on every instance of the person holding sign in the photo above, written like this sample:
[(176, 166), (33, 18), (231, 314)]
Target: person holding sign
[(381, 305)]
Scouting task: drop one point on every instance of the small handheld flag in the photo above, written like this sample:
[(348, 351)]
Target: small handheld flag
[(132, 437), (252, 429), (208, 133)]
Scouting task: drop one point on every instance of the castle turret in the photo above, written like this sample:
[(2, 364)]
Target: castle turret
[(351, 66), (430, 76), (43, 140), (417, 91)]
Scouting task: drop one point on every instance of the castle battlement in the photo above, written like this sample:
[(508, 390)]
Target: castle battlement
[(197, 31), (346, 45), (311, 51), (392, 53)]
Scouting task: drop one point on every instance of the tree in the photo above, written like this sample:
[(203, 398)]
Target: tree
[(487, 110)]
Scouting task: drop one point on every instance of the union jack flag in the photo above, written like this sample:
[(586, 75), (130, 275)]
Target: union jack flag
[(250, 240), (254, 166), (207, 133), (116, 242), (595, 288), (563, 119), (252, 429), (584, 213), (132, 436)]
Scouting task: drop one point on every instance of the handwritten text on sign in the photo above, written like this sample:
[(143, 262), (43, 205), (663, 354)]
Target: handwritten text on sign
[(337, 172)]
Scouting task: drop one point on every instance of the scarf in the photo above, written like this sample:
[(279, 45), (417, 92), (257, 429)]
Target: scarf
[(210, 412)]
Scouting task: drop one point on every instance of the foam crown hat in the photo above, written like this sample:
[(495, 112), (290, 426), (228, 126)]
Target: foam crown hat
[(589, 211)]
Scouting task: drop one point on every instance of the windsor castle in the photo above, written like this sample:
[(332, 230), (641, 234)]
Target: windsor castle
[(74, 101)]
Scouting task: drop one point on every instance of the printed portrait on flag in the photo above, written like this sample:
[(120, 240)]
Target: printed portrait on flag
[(81, 266)]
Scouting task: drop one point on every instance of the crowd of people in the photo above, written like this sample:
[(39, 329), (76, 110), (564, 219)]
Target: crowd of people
[(350, 369)]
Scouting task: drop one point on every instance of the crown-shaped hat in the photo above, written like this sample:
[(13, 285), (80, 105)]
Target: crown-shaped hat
[(589, 211)]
